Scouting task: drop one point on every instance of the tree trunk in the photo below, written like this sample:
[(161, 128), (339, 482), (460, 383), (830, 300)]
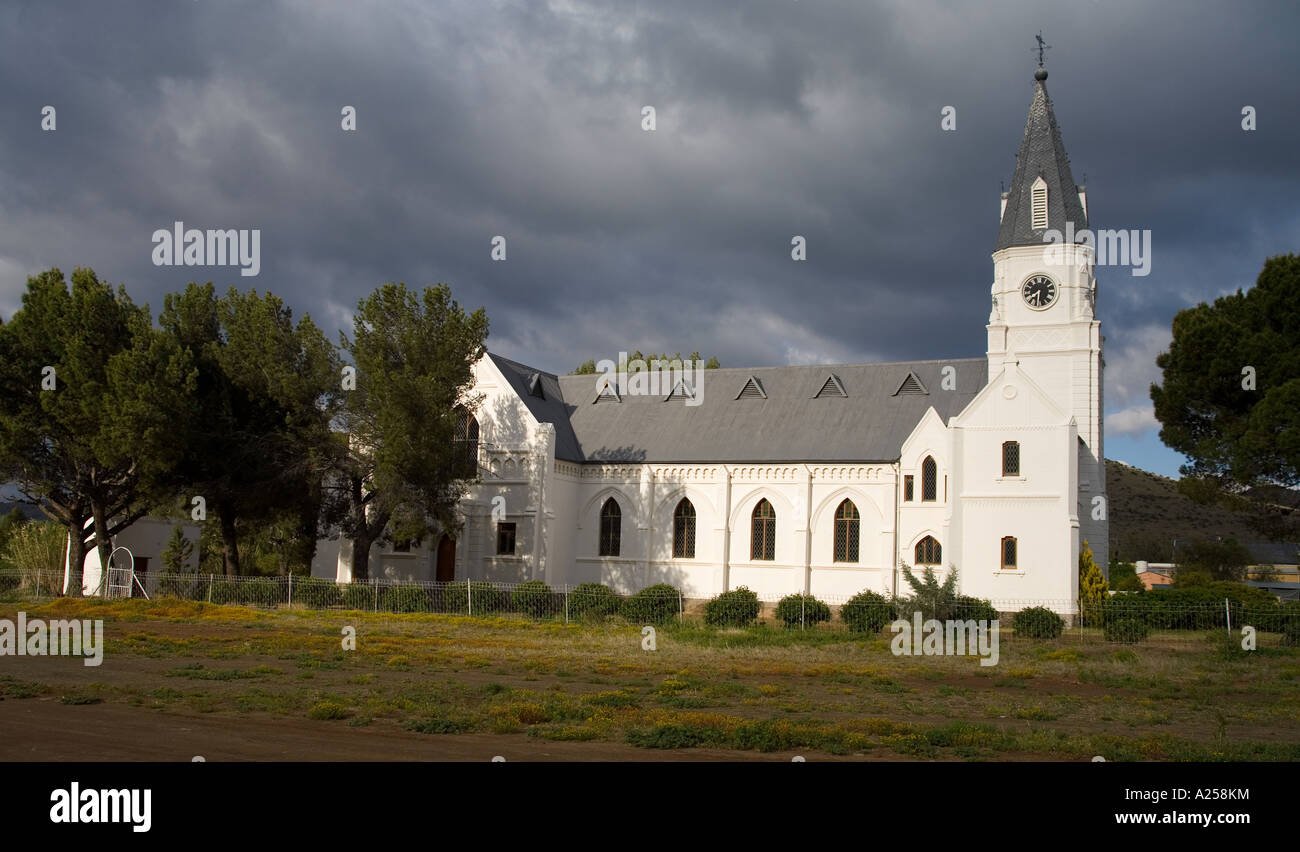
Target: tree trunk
[(103, 543), (76, 554), (361, 558), (229, 542), (365, 532)]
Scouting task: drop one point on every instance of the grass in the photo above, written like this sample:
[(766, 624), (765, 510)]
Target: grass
[(749, 689)]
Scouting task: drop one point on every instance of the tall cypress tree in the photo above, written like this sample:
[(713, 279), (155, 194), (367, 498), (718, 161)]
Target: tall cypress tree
[(1093, 588)]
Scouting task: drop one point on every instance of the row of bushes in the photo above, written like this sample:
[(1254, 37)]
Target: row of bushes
[(866, 612), (653, 605), (1188, 609)]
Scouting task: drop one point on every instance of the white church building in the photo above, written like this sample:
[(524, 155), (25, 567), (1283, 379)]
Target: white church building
[(812, 478)]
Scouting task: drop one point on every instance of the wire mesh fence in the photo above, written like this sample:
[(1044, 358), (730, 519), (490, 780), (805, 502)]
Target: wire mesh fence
[(1121, 618)]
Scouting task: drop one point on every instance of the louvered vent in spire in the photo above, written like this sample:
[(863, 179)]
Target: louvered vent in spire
[(1039, 203)]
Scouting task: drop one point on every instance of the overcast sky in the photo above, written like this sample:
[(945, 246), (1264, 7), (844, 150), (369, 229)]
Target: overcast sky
[(774, 118)]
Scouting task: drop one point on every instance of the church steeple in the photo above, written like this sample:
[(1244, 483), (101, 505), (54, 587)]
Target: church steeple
[(1043, 193)]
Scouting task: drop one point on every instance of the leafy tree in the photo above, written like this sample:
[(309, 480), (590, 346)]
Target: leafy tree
[(1232, 431), (1219, 560), (94, 437), (176, 555), (400, 458), (265, 386), (1093, 589), (1123, 577)]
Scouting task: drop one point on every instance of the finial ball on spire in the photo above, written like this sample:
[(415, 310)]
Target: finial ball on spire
[(1041, 74)]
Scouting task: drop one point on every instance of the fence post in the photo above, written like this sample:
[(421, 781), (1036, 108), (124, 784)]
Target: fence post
[(209, 588), (290, 590), (38, 586), (566, 603), (469, 595), (681, 609), (802, 624), (1227, 609), (374, 591)]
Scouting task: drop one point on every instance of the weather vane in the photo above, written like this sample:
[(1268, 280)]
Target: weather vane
[(1041, 47)]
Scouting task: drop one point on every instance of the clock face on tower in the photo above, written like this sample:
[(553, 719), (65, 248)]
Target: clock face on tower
[(1039, 292)]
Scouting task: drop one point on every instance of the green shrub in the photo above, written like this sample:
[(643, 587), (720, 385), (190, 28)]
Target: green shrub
[(359, 595), (405, 597), (657, 604), (1129, 631), (316, 592), (1275, 617), (1197, 605), (965, 608), (263, 591), (1038, 622), (868, 612), (736, 608), (796, 610), (533, 598), (1291, 635), (592, 600), (183, 586), (224, 591), (480, 598)]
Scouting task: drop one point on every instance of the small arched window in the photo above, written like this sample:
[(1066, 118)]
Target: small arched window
[(1009, 554), (928, 552), (1011, 458), (929, 480), (611, 528), (684, 530), (847, 525), (466, 444), (762, 533)]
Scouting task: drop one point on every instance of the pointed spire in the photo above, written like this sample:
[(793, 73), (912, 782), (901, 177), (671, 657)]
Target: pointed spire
[(1042, 154)]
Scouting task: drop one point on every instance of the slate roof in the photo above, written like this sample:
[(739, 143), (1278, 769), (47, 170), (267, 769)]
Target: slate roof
[(790, 425), (1041, 152), (550, 408)]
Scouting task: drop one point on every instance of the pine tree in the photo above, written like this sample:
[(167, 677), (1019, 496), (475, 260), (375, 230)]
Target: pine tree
[(1093, 588), (177, 554)]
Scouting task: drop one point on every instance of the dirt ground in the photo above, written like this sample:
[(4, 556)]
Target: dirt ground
[(111, 732)]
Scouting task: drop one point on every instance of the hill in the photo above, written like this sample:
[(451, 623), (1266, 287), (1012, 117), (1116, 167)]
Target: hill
[(1148, 515)]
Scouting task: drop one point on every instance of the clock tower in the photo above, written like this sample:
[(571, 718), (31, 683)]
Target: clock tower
[(1043, 314)]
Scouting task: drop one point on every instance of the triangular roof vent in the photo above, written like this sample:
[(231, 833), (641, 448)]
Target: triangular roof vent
[(535, 386), (680, 391), (911, 385), (831, 387), (606, 394), (753, 389)]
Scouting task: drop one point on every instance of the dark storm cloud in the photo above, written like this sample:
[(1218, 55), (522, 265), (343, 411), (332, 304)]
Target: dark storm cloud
[(774, 119)]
